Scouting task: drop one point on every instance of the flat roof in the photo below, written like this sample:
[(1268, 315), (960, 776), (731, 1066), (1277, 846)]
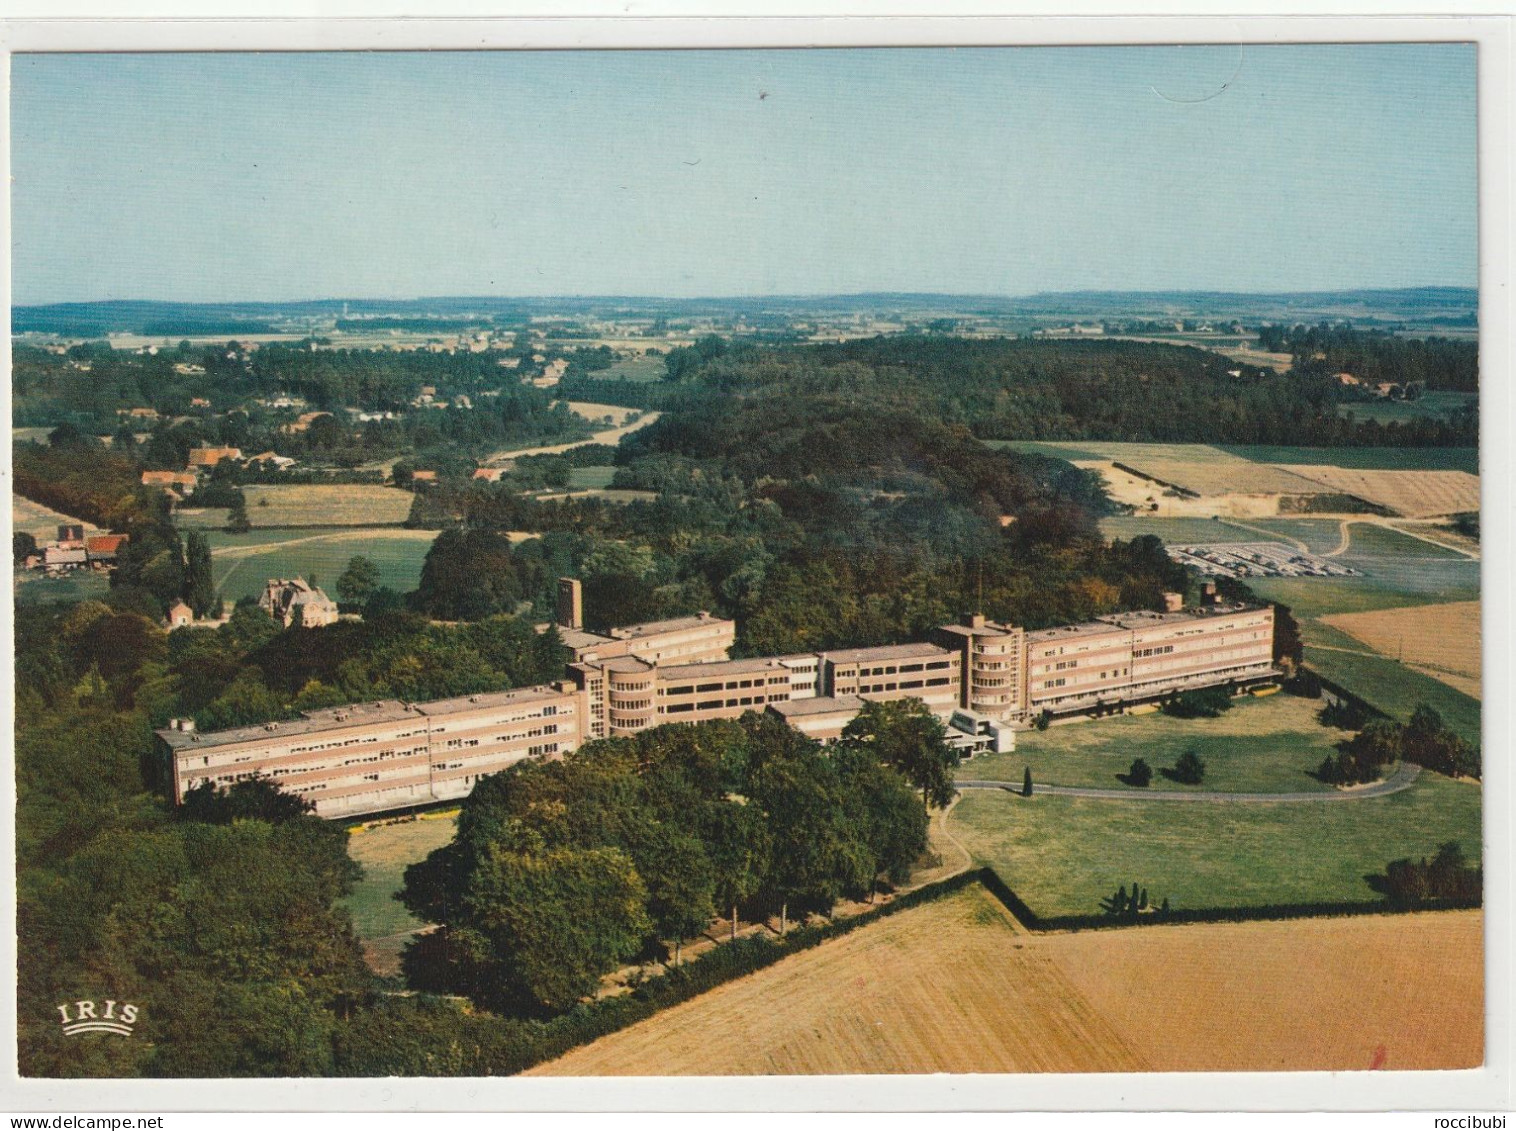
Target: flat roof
[(988, 628), (885, 652), (720, 667), (489, 699), (1139, 618), (659, 627), (1075, 631), (577, 638), (623, 664), (311, 722), (817, 705), (1142, 618)]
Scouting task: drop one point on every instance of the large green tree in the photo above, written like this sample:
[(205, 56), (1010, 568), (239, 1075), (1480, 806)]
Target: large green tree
[(904, 733)]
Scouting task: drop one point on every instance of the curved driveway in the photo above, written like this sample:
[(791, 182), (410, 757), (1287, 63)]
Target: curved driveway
[(1401, 779)]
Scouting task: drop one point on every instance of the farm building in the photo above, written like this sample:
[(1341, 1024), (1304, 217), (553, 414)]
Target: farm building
[(184, 481), (210, 457), (104, 549)]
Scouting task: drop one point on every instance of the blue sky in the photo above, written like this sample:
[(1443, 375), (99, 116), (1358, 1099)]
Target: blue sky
[(1004, 171)]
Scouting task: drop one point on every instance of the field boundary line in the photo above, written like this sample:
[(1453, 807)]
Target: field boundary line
[(1403, 778)]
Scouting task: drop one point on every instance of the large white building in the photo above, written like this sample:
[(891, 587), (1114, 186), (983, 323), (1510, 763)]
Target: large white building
[(978, 676)]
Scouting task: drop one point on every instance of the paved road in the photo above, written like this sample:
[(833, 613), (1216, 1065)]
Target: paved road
[(1401, 779)]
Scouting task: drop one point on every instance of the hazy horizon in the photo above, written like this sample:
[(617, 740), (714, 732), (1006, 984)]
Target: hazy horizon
[(988, 172), (773, 295)]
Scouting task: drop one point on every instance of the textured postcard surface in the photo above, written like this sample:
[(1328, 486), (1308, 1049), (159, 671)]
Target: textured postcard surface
[(656, 563)]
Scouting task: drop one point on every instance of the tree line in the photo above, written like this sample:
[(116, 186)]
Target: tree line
[(563, 871)]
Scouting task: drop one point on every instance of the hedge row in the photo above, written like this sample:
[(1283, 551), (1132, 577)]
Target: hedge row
[(416, 1036), (1270, 911), (461, 1044)]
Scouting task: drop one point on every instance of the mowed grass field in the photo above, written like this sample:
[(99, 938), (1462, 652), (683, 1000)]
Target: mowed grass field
[(327, 505), (243, 563), (1279, 996), (1429, 406), (1264, 745), (597, 477), (34, 588), (634, 369), (1392, 686), (1063, 855), (1384, 459), (384, 851), (1441, 640), (42, 522)]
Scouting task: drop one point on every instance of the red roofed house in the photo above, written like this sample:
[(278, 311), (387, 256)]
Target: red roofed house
[(184, 480), (210, 457), (103, 549)]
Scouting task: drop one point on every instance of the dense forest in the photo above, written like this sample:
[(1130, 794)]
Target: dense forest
[(1375, 356), (1036, 389)]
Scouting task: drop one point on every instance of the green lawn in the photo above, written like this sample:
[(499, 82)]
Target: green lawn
[(1369, 459), (1319, 534), (634, 369), (1386, 584), (1395, 689), (32, 587), (1265, 745), (1062, 855), (1121, 452), (201, 518), (581, 477), (1431, 406), (384, 852), (302, 553), (1370, 543), (1175, 531)]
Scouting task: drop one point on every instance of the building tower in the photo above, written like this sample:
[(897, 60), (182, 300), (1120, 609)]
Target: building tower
[(570, 603)]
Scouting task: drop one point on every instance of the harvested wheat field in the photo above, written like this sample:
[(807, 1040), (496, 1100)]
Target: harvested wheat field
[(1231, 476), (956, 986), (1442, 641), (1414, 494), (949, 987), (41, 521), (1376, 991), (322, 504)]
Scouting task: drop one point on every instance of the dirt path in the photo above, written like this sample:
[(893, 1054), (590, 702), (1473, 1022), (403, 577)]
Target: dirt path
[(1272, 535), (1344, 529), (610, 436), (1403, 778)]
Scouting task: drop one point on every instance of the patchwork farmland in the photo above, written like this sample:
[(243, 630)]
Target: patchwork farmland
[(1413, 494), (1442, 641), (1251, 997)]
